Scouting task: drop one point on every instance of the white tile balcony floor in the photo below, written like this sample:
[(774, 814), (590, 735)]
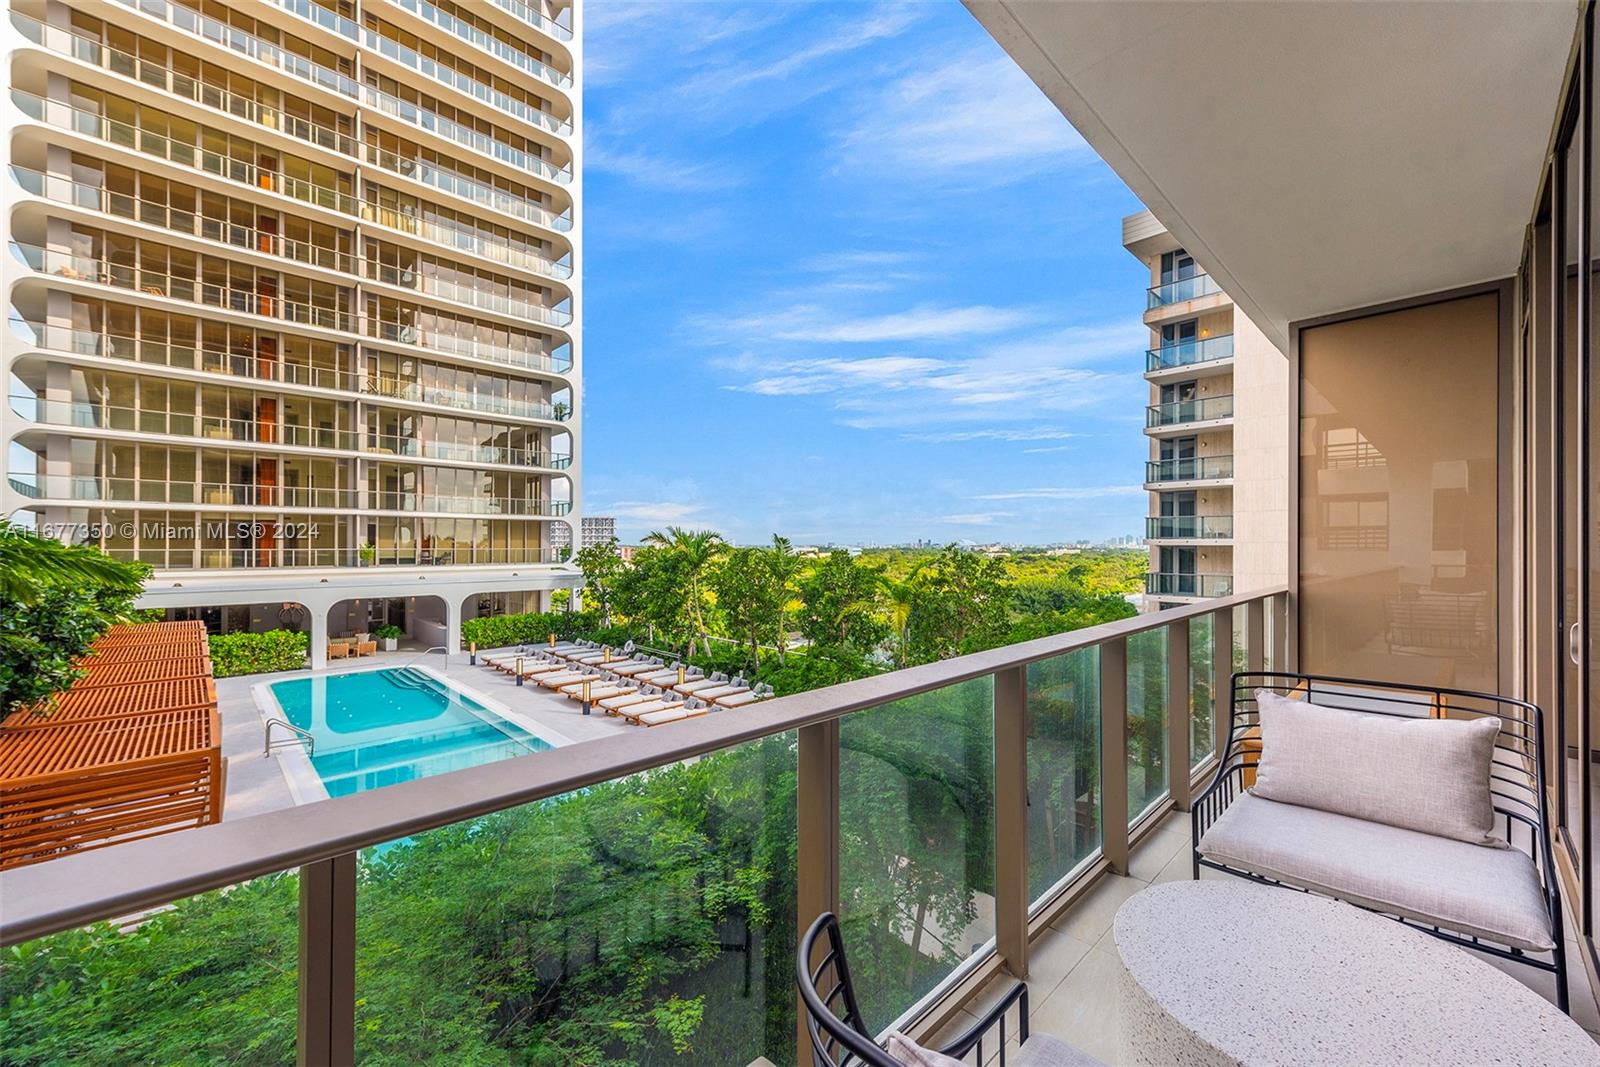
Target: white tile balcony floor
[(1072, 991)]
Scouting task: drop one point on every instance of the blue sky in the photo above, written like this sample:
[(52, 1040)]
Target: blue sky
[(849, 277)]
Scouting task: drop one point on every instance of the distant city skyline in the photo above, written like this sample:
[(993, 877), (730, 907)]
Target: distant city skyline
[(850, 278)]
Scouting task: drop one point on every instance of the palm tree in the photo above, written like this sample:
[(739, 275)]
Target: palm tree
[(30, 563), (899, 595), (693, 551), (785, 566)]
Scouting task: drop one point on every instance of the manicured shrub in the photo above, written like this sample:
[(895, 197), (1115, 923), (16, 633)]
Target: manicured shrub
[(246, 653), (498, 631)]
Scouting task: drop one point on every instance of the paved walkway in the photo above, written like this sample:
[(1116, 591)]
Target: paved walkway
[(256, 784)]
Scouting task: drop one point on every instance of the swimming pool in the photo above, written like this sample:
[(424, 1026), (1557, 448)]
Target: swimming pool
[(382, 727)]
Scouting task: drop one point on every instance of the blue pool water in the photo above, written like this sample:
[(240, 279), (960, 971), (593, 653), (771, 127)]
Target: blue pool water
[(378, 728)]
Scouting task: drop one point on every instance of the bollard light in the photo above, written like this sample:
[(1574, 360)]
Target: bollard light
[(519, 670), (586, 693), (472, 651)]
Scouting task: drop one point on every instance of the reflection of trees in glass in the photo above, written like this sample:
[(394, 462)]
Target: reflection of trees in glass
[(1063, 766), (1202, 706), (1147, 719), (916, 841), (631, 923)]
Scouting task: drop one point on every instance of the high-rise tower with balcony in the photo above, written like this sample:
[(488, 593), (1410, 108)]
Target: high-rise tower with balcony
[(1218, 434), (294, 299)]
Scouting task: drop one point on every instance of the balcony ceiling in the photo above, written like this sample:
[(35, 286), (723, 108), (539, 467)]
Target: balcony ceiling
[(1313, 157)]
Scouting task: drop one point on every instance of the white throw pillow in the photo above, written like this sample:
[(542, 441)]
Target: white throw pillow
[(904, 1050), (1430, 775)]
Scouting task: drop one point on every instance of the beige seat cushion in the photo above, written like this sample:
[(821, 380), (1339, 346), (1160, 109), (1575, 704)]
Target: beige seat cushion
[(1422, 774), (1491, 893)]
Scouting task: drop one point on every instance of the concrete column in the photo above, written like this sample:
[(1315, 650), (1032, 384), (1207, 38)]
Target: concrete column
[(319, 636), (576, 603), (542, 601), (452, 629)]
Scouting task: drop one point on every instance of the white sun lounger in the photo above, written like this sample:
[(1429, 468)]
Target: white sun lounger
[(669, 676), (561, 678), (599, 692), (715, 695), (696, 685), (636, 668), (739, 700), (535, 668), (633, 712), (616, 704), (689, 710)]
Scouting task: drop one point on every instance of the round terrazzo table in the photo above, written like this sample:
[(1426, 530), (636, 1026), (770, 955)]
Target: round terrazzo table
[(1229, 973)]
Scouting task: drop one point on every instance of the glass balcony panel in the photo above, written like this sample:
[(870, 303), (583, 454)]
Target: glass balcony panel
[(916, 849), (1181, 411), (211, 979), (1188, 470), (1147, 720), (1194, 527), (647, 920), (1181, 290), (1202, 701), (1188, 353), (1064, 809), (1184, 584)]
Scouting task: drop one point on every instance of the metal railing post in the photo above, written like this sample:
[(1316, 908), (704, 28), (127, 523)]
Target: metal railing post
[(1221, 677), (1178, 721), (816, 842), (1255, 637), (1011, 818), (327, 1019), (1114, 753)]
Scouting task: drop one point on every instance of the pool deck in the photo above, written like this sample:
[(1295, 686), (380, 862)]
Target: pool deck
[(256, 784)]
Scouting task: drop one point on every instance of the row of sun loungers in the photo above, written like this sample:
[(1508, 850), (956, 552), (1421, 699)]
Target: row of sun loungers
[(639, 689)]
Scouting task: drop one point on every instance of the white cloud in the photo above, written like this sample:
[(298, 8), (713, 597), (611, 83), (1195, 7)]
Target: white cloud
[(654, 512), (1091, 492), (820, 324), (973, 518), (954, 436), (976, 118), (660, 172)]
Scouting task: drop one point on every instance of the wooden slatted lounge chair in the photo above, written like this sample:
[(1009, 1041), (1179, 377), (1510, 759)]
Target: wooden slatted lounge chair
[(536, 668), (600, 692), (695, 685), (366, 648), (338, 649), (731, 689), (636, 668)]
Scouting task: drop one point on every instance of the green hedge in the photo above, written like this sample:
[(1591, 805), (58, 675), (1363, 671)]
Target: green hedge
[(244, 653), (498, 631)]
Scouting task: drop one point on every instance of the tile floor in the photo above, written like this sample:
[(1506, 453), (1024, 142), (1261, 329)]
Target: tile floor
[(1072, 991)]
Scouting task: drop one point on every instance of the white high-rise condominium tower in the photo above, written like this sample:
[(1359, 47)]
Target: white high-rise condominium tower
[(294, 301), (1218, 433)]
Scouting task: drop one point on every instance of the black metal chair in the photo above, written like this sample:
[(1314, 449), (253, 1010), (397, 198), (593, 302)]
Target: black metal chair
[(839, 1035), (1516, 781)]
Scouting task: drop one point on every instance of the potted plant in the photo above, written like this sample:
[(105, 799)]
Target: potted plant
[(388, 637), (367, 553)]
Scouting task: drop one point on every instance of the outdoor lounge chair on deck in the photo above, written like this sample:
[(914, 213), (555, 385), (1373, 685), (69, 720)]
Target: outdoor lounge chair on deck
[(535, 668), (366, 648), (696, 685), (716, 694), (599, 692), (615, 704), (558, 679), (739, 700), (690, 709), (637, 668), (662, 702), (338, 649)]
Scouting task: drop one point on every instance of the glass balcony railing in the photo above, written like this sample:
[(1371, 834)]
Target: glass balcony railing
[(60, 190), (262, 556), (693, 860), (424, 119), (254, 367), (201, 493), (1197, 468), (1158, 584), (467, 400), (467, 293), (173, 287), (470, 505), (247, 44), (1188, 527), (471, 189), (468, 347), (533, 18), (518, 109), (488, 42), (1181, 290), (1203, 409), (137, 139), (327, 18), (159, 76), (407, 446), (94, 415), (1188, 353)]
